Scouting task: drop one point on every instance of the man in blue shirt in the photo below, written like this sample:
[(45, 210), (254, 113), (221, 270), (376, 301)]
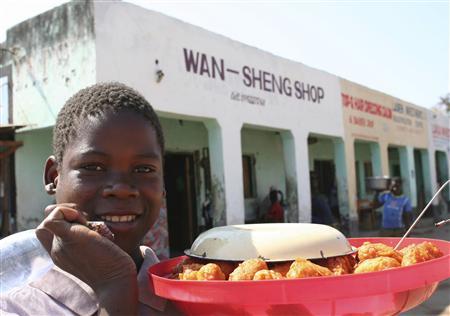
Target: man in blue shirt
[(397, 211)]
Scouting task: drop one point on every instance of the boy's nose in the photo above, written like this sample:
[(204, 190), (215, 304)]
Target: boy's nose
[(121, 190)]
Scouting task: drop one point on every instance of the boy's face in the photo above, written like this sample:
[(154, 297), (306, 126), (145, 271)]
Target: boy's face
[(113, 172)]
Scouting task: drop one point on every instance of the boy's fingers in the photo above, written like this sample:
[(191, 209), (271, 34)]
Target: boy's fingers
[(51, 207), (59, 221), (45, 237)]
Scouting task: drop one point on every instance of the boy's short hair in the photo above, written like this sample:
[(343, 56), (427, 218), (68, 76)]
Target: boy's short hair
[(95, 101)]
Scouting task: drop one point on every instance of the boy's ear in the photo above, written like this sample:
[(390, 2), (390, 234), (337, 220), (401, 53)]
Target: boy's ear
[(51, 175)]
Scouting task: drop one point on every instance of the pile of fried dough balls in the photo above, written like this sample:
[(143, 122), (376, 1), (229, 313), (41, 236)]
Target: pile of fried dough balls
[(370, 257)]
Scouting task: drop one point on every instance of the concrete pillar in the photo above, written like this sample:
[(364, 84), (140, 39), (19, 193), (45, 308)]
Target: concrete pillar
[(225, 156), (290, 168), (300, 140), (408, 172), (341, 177)]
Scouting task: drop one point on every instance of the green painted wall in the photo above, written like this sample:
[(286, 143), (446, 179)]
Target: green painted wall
[(322, 150), (30, 159)]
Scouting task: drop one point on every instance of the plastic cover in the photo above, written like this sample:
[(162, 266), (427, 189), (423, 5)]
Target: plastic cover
[(23, 259)]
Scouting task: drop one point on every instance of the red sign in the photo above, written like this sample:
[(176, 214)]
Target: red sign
[(366, 106)]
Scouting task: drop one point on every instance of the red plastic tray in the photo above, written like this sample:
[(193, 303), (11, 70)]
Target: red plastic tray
[(386, 292)]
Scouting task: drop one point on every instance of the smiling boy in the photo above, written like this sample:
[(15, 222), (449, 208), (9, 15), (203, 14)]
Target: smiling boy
[(107, 166)]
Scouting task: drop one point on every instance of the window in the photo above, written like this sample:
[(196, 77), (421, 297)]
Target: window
[(248, 169)]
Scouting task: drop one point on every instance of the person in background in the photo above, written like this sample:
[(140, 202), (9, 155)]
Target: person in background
[(333, 201), (320, 209), (397, 210), (107, 165), (275, 213), (157, 237)]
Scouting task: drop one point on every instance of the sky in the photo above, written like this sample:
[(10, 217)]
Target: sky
[(399, 47)]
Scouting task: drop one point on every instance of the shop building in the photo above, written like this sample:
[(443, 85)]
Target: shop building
[(237, 120), (388, 136)]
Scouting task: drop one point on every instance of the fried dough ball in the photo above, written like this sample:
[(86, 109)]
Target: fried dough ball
[(267, 275), (302, 268), (188, 275), (419, 253), (281, 267), (196, 264), (339, 265), (369, 250), (208, 272), (211, 271), (376, 264), (247, 269)]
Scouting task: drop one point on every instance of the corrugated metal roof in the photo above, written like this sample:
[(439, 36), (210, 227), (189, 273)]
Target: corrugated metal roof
[(9, 128)]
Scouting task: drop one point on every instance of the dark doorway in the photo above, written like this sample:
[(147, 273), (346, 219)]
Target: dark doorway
[(394, 162), (325, 171), (179, 177), (8, 218)]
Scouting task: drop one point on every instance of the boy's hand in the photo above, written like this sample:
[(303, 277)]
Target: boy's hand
[(84, 253)]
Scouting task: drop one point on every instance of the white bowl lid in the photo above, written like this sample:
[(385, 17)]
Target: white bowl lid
[(271, 242)]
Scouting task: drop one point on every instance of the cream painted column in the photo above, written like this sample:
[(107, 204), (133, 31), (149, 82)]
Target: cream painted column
[(408, 173), (224, 140), (300, 143)]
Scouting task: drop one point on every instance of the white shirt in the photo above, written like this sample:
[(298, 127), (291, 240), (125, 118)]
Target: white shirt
[(60, 293)]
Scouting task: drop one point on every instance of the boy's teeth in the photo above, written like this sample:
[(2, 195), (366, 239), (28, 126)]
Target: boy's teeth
[(119, 219)]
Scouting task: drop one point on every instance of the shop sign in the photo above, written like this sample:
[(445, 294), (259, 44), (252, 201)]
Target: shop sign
[(216, 68)]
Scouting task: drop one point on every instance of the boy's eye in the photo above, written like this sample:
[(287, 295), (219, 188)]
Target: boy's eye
[(93, 168), (143, 169)]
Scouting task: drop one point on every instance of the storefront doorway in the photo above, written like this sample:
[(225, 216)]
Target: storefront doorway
[(179, 178), (328, 179)]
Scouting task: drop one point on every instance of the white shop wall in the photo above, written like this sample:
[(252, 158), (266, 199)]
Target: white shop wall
[(205, 90)]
